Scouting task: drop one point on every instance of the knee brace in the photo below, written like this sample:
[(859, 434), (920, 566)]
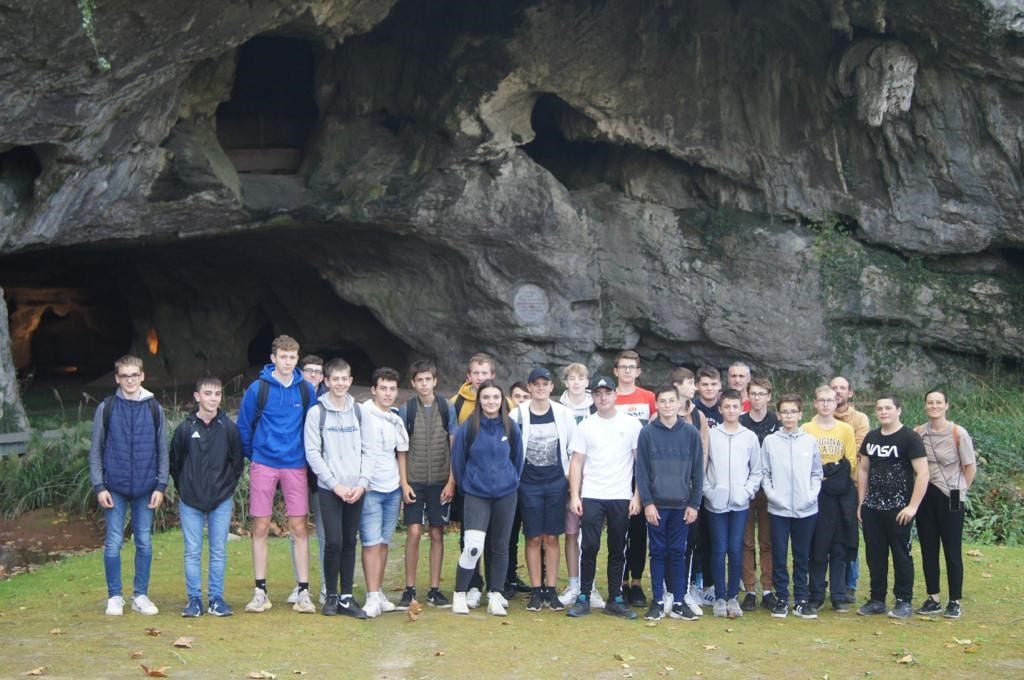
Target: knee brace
[(474, 542)]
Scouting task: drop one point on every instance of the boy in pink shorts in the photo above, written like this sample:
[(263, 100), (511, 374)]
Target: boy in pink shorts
[(270, 423)]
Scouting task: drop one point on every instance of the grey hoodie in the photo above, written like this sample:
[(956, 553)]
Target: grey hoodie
[(733, 472), (338, 458), (792, 473)]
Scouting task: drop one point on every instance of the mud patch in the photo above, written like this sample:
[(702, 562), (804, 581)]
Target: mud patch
[(42, 536)]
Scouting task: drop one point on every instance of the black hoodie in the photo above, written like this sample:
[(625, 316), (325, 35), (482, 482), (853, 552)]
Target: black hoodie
[(206, 460)]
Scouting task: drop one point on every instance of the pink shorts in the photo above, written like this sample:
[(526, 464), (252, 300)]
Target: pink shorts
[(263, 481), (572, 522)]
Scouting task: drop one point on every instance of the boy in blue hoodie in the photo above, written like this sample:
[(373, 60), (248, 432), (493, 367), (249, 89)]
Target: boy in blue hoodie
[(128, 469), (271, 434), (206, 463), (669, 479)]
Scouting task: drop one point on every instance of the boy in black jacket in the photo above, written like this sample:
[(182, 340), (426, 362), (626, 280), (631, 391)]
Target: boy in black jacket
[(206, 463)]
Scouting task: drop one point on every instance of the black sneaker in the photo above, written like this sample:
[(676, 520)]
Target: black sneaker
[(851, 597), (769, 601), (901, 610), (349, 607), (618, 607), (330, 605), (749, 602), (655, 612), (435, 598), (521, 586), (681, 611), (636, 596), (510, 591), (781, 609), (840, 607), (805, 610), (536, 602), (952, 610), (872, 607), (581, 607), (930, 606), (551, 599), (408, 595)]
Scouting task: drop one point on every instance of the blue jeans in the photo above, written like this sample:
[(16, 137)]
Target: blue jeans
[(667, 542), (726, 530), (380, 515), (192, 523), (852, 574), (799, 531), (142, 530)]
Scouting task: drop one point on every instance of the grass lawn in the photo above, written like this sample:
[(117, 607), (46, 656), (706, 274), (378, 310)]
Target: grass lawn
[(53, 617)]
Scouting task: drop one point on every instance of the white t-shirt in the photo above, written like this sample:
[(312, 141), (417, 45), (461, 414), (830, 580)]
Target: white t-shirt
[(609, 446)]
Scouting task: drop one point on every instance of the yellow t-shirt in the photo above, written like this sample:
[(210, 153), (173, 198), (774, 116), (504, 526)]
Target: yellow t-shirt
[(834, 443)]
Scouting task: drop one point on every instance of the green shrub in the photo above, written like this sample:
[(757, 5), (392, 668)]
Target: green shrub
[(55, 473)]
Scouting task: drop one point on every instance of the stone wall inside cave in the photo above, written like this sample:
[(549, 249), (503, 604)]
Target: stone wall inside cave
[(811, 185)]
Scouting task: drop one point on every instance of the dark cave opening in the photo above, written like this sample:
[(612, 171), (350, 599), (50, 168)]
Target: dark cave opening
[(272, 112), (575, 164), (214, 306), (19, 168)]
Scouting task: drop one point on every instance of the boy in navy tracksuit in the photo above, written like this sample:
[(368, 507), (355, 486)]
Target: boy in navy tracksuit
[(670, 481), (206, 463), (128, 469)]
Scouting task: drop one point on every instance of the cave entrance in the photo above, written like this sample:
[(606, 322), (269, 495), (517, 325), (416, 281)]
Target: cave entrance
[(576, 164), (265, 125), (19, 168)]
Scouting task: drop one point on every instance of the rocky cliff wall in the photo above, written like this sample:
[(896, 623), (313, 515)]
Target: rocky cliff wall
[(811, 185)]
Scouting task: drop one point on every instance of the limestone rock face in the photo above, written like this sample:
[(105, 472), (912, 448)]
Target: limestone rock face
[(810, 185), (12, 415)]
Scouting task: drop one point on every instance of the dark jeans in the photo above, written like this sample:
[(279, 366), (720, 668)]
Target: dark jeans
[(668, 550), (458, 510), (341, 526), (836, 565), (726, 529), (636, 556), (512, 571), (882, 536), (595, 514), (698, 550), (936, 524), (494, 517), (799, 532)]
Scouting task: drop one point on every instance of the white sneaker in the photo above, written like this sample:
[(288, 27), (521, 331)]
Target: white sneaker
[(115, 606), (259, 602), (323, 597), (144, 606), (692, 600), (596, 601), (708, 596), (667, 603), (494, 604), (304, 604), (385, 604), (501, 598), (568, 596), (473, 598), (294, 597), (459, 605), (372, 606)]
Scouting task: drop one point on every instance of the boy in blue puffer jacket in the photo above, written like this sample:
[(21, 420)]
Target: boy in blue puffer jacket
[(128, 467)]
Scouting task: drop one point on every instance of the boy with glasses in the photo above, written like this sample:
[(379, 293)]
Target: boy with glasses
[(128, 467), (762, 422)]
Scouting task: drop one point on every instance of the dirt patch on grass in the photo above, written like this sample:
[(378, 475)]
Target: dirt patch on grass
[(44, 535)]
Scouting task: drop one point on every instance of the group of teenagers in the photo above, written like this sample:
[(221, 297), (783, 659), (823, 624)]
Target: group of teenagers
[(687, 474)]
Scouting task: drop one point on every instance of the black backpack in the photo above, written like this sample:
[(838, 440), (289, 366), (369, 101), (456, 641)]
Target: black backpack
[(108, 413), (264, 394), (413, 404)]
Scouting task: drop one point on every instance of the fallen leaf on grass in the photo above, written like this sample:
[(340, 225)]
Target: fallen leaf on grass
[(261, 675), (929, 619), (974, 553), (153, 632), (439, 653), (625, 657), (730, 630), (896, 623), (985, 574), (414, 610), (877, 633), (651, 624), (708, 648), (155, 672), (137, 654), (907, 659), (184, 642), (506, 622), (668, 669), (36, 671), (625, 665), (298, 672), (971, 649), (626, 675), (56, 631), (961, 642)]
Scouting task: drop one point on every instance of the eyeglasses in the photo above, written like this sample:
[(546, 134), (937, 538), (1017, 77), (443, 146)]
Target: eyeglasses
[(627, 367), (789, 412), (825, 401), (129, 376), (759, 395)]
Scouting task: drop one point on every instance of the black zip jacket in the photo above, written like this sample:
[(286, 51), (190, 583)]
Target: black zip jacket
[(206, 460)]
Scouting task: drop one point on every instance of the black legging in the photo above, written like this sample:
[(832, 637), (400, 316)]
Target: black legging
[(491, 516), (936, 524), (341, 526)]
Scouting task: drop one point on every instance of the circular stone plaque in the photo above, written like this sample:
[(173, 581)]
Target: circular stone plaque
[(531, 304)]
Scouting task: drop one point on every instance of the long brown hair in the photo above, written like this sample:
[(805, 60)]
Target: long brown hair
[(478, 412)]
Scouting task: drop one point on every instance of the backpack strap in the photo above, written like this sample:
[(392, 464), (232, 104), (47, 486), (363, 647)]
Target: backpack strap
[(108, 413), (459, 401), (445, 414), (410, 413), (262, 394)]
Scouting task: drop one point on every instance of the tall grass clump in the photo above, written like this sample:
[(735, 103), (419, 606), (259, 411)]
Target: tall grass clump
[(55, 473)]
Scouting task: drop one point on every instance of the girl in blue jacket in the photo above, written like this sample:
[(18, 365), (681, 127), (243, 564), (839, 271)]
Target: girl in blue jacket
[(487, 460)]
